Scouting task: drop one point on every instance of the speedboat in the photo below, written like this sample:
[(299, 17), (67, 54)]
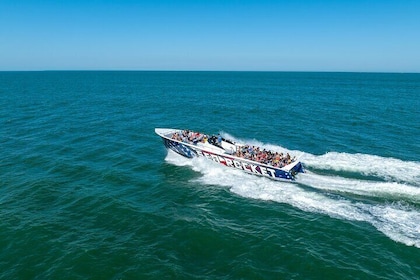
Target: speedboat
[(248, 158)]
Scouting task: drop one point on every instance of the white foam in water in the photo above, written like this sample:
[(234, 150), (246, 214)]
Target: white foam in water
[(397, 218), (361, 187), (255, 187), (386, 168), (400, 223), (175, 159)]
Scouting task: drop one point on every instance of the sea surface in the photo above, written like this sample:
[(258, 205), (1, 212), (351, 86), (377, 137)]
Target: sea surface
[(88, 191)]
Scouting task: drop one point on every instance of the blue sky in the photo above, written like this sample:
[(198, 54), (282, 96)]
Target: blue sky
[(260, 35)]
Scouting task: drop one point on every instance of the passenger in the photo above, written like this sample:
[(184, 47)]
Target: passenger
[(184, 137), (276, 158), (191, 136), (258, 157), (198, 137), (219, 140), (244, 148), (288, 159), (176, 136)]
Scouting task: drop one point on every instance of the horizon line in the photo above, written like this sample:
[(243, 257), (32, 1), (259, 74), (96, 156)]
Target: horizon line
[(186, 70)]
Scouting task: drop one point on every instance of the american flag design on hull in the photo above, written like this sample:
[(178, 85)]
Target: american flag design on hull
[(180, 148)]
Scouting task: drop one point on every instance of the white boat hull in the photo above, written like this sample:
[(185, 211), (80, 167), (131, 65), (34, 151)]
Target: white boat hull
[(224, 155)]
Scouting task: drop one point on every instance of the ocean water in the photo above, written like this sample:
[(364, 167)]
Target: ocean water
[(88, 191)]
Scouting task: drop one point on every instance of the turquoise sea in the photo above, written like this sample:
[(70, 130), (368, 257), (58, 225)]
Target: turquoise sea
[(88, 191)]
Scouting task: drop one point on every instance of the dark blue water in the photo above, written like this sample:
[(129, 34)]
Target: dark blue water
[(87, 190)]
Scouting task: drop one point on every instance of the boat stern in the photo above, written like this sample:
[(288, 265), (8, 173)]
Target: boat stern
[(294, 168), (298, 168)]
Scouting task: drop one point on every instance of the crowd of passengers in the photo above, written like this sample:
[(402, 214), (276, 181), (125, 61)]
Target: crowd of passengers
[(264, 156), (253, 153), (190, 136)]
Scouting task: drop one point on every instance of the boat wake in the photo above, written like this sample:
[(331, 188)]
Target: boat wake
[(380, 191), (388, 169)]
